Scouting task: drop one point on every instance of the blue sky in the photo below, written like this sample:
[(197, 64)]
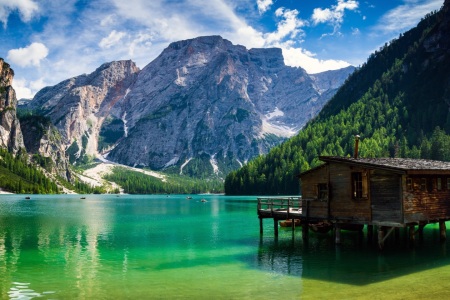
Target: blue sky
[(47, 41)]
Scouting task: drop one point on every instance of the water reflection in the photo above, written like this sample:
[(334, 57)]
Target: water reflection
[(356, 261), (61, 237)]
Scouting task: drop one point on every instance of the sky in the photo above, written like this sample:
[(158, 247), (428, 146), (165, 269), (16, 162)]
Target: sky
[(48, 41)]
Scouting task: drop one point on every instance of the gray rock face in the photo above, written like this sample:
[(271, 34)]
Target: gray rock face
[(41, 137), (10, 132), (207, 97), (203, 105), (78, 106)]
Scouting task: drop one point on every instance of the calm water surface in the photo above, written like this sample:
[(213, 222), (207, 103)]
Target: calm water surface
[(159, 247)]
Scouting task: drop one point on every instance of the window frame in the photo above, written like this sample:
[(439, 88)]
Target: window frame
[(322, 191), (359, 185), (423, 184), (409, 184)]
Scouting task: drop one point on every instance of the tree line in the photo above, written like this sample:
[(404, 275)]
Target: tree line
[(138, 183)]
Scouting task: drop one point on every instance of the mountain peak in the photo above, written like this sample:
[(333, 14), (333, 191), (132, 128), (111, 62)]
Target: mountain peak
[(201, 42)]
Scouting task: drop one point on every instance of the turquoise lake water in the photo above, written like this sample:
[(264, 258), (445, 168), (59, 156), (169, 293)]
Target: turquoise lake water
[(169, 247)]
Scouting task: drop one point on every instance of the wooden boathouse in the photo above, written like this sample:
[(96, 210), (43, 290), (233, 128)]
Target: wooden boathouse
[(350, 192)]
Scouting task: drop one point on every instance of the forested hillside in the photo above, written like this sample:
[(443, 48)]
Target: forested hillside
[(398, 102)]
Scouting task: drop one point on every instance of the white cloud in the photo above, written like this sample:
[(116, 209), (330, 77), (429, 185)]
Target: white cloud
[(28, 56), (263, 5), (25, 89), (298, 57), (405, 16), (335, 15), (289, 27), (26, 9), (112, 39)]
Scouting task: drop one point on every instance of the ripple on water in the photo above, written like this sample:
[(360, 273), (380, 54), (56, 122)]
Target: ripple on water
[(21, 290)]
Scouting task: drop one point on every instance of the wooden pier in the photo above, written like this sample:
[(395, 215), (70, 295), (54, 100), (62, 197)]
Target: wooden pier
[(279, 208), (295, 208)]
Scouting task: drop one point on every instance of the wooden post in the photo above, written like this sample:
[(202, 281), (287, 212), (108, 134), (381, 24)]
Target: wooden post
[(260, 226), (305, 229), (370, 233), (275, 226), (442, 230), (337, 231), (420, 229), (380, 237), (293, 225), (411, 233)]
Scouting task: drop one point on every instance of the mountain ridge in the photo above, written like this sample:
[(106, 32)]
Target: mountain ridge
[(203, 106)]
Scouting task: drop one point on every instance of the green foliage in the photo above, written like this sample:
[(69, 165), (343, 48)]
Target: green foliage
[(19, 176), (395, 102), (198, 167), (138, 183), (44, 162)]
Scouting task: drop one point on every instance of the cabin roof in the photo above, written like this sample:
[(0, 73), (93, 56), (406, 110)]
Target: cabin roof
[(399, 165)]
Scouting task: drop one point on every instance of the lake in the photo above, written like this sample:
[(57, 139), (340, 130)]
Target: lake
[(170, 247)]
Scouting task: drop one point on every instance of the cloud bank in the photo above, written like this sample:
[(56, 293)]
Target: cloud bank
[(28, 56)]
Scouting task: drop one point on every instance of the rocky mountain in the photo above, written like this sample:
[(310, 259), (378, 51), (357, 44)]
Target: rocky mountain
[(203, 106), (41, 137), (79, 106), (10, 132), (29, 134)]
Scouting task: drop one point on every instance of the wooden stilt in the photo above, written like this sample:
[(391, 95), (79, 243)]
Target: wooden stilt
[(261, 226), (380, 237), (420, 230), (275, 227), (411, 233), (370, 233), (442, 230), (293, 224), (337, 234), (305, 229)]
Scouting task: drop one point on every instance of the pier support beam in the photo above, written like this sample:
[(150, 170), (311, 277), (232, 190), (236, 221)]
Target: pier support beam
[(337, 234), (370, 233), (260, 226), (412, 233), (442, 230), (380, 237), (275, 227), (305, 230)]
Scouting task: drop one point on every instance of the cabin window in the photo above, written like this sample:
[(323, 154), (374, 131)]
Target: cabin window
[(423, 184), (409, 184), (359, 185), (322, 191), (439, 184)]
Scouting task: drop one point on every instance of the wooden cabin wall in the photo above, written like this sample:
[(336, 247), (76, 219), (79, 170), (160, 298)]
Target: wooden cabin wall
[(342, 205), (429, 204), (385, 194), (315, 208)]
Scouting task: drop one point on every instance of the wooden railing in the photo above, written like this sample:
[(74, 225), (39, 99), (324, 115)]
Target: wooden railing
[(279, 203)]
